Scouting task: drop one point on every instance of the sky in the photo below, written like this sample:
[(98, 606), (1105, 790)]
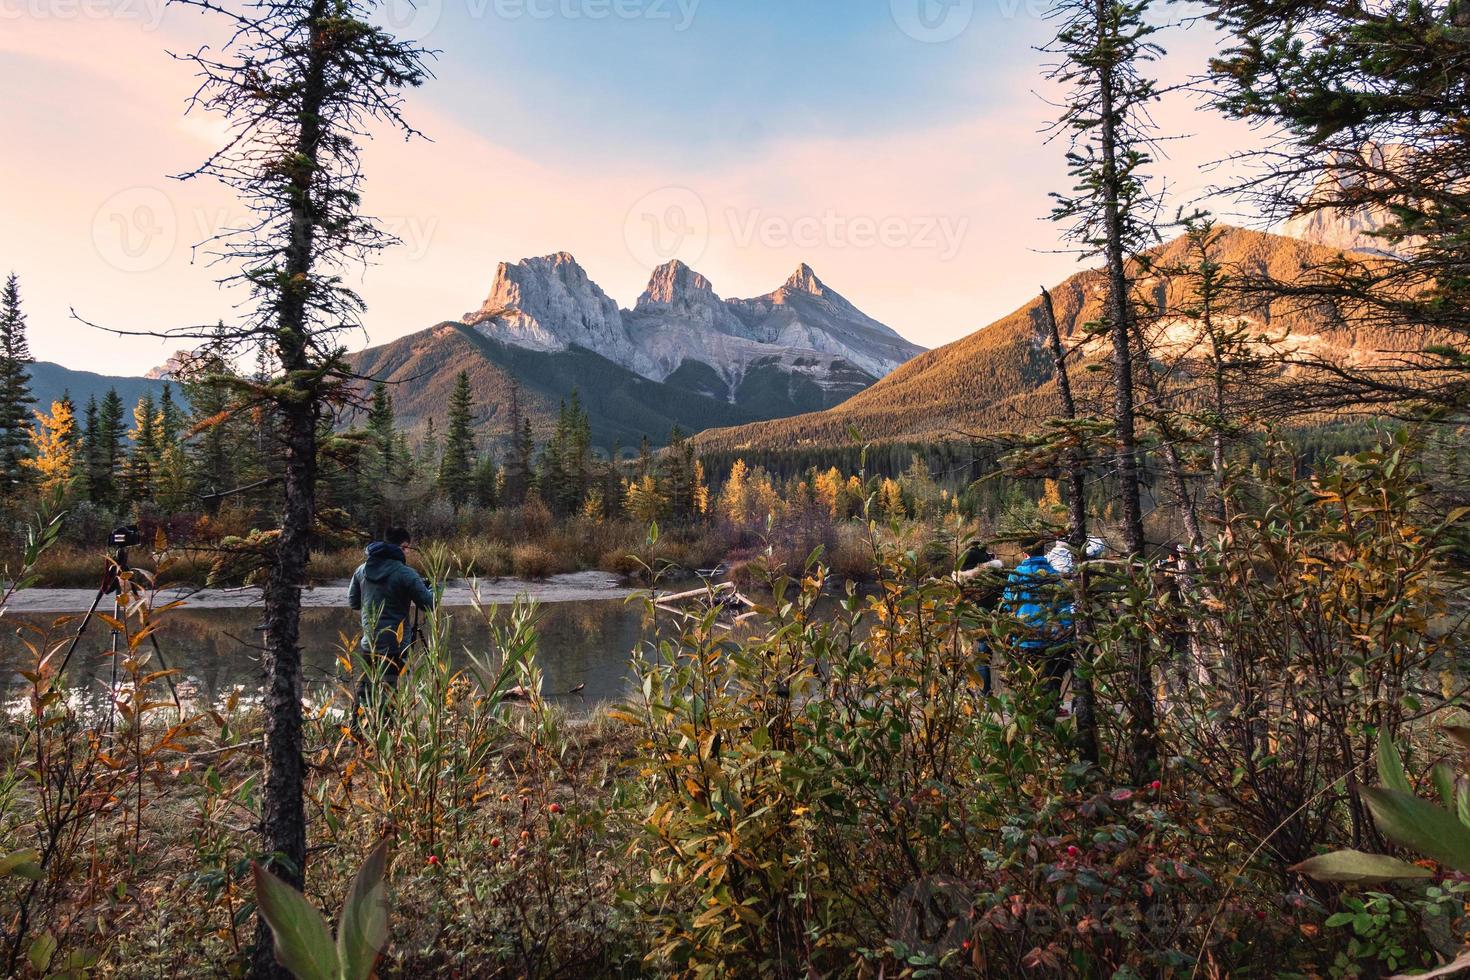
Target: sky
[(897, 146)]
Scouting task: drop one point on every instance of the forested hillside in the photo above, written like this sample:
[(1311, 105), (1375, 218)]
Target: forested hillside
[(1000, 378)]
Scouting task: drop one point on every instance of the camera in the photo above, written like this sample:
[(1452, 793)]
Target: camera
[(127, 536)]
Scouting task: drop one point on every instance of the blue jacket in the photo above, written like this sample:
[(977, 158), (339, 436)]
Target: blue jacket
[(383, 588), (1036, 596)]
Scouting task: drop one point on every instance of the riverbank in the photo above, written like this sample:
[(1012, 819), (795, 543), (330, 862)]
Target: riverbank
[(572, 587)]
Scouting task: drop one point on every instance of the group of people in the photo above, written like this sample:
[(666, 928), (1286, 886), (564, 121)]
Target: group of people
[(1037, 596)]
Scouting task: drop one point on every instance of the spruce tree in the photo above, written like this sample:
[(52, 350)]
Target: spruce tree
[(381, 423), (1104, 45), (90, 432), (382, 467), (15, 391), (146, 452), (170, 418), (487, 482), (298, 85), (107, 450), (427, 462), (214, 418), (518, 463), (457, 466)]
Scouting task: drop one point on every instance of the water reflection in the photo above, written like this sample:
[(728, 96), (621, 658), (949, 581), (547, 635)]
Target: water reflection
[(217, 651)]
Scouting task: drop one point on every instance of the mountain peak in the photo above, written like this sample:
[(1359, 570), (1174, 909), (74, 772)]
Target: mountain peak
[(805, 280), (675, 284)]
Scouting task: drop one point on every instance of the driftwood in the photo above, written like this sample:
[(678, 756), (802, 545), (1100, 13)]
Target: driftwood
[(724, 593)]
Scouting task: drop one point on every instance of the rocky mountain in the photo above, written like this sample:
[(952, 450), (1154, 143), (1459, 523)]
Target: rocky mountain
[(804, 336), (1355, 217), (681, 357), (1000, 378)]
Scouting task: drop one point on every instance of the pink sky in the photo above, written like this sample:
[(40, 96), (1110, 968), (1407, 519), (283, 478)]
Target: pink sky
[(933, 228)]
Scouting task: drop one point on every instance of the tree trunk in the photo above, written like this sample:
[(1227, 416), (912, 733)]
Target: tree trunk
[(1085, 700), (1173, 464), (1144, 747), (283, 817)]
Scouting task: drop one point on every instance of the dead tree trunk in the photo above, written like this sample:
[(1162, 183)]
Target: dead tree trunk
[(1085, 701)]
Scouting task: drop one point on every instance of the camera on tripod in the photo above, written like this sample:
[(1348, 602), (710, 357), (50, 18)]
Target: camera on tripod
[(127, 536)]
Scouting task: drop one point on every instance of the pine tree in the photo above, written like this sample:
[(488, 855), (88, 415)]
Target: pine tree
[(518, 463), (298, 85), (1103, 44), (487, 483), (457, 467), (146, 454), (15, 391), (219, 435), (106, 451)]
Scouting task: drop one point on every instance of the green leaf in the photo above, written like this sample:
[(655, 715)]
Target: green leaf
[(363, 931), (303, 942), (1420, 825), (1444, 782), (43, 947), (1357, 866), (25, 863), (1390, 766)]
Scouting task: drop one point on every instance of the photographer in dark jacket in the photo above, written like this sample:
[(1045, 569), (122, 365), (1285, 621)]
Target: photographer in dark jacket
[(383, 589)]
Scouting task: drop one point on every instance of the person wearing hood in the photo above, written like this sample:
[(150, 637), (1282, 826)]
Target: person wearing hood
[(980, 580), (1036, 597), (383, 590)]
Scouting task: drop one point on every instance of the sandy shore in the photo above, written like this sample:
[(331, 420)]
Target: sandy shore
[(576, 587)]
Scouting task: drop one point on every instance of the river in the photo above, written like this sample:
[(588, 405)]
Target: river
[(584, 642)]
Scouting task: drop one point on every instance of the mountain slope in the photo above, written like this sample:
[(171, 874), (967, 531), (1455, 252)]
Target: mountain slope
[(623, 406), (1000, 377), (50, 381)]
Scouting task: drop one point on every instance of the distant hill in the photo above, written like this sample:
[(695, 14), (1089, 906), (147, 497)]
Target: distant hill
[(623, 406), (1000, 378), (50, 381)]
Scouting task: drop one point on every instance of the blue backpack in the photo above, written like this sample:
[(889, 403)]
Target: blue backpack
[(1034, 595)]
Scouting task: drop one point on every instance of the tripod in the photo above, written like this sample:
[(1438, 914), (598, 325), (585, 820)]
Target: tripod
[(112, 584)]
